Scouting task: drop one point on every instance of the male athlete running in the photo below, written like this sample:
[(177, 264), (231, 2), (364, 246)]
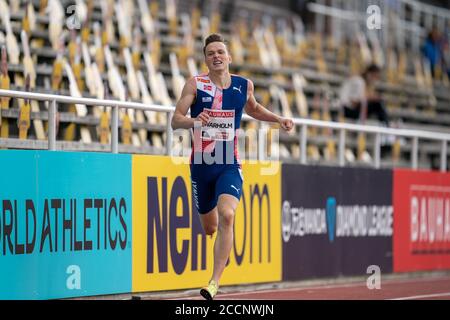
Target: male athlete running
[(217, 100)]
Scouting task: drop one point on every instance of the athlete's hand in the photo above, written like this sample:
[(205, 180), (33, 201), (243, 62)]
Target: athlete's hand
[(286, 123), (203, 117)]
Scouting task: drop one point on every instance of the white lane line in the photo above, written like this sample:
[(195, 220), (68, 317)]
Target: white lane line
[(303, 289), (219, 297), (276, 291), (434, 295), (331, 286)]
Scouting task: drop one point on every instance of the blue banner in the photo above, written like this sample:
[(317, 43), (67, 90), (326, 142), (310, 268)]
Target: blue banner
[(335, 221), (65, 224)]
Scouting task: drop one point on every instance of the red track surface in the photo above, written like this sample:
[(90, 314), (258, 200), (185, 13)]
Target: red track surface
[(424, 288)]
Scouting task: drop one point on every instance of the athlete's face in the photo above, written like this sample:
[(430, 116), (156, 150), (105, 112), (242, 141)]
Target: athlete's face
[(217, 57)]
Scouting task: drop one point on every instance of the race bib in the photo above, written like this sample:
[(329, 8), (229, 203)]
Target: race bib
[(220, 126)]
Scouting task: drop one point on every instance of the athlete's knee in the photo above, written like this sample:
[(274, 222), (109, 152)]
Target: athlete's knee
[(210, 229), (226, 216)]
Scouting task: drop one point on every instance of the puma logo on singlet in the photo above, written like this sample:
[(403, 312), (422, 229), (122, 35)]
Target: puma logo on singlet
[(238, 89), (237, 190)]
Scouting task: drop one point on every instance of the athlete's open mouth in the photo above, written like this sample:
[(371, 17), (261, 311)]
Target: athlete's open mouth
[(216, 63)]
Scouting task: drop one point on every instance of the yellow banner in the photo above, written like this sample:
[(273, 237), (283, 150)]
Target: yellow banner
[(170, 249)]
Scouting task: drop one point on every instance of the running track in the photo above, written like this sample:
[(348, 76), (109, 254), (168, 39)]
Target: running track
[(398, 289)]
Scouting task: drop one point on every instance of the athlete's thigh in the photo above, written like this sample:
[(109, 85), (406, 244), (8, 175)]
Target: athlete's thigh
[(209, 221), (229, 183), (203, 192)]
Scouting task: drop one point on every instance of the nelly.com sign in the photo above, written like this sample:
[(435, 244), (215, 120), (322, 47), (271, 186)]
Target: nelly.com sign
[(170, 248), (335, 221), (65, 224)]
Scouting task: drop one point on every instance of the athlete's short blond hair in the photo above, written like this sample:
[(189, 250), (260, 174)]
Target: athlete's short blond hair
[(214, 37)]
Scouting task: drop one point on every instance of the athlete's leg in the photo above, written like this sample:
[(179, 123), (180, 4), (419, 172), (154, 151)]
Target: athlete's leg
[(229, 189), (203, 191), (209, 221), (226, 208), (228, 192)]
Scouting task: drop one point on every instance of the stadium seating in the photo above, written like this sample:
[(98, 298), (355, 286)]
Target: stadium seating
[(146, 52)]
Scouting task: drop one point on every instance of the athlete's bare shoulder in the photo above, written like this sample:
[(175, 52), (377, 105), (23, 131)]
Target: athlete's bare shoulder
[(192, 82), (250, 88), (190, 87), (250, 85)]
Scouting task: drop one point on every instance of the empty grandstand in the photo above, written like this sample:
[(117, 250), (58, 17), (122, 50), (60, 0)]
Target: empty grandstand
[(143, 51), (87, 49)]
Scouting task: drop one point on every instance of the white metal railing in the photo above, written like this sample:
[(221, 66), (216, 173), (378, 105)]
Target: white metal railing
[(303, 123)]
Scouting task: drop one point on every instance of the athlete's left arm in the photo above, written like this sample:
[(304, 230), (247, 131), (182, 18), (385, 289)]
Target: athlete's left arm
[(257, 111)]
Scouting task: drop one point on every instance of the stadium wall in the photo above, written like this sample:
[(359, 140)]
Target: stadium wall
[(82, 224)]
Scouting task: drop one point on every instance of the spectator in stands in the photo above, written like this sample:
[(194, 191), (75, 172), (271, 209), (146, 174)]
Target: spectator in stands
[(446, 54), (359, 99), (300, 7), (433, 49)]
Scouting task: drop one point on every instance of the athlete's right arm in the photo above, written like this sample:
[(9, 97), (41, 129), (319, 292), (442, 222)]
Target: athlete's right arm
[(179, 119)]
